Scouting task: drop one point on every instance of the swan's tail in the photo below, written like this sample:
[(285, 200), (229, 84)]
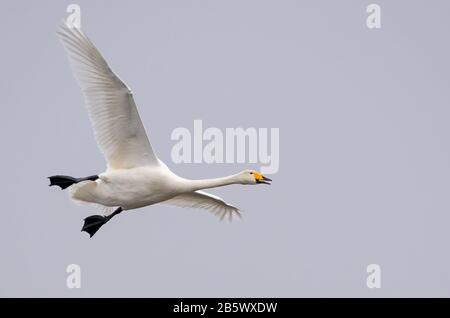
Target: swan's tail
[(66, 181), (88, 193)]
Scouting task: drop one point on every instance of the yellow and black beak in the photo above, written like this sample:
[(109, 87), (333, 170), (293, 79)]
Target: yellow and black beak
[(261, 179)]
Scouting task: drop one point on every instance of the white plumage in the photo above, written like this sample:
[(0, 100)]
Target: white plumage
[(117, 127), (134, 177)]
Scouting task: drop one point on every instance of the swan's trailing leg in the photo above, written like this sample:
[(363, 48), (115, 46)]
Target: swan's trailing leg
[(66, 181), (94, 222)]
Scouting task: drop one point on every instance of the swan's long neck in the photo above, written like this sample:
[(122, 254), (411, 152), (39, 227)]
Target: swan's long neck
[(212, 183)]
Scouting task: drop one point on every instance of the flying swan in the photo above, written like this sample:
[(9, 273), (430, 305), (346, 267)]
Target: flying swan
[(134, 177)]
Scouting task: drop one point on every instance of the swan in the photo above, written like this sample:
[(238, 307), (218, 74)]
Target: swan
[(134, 175)]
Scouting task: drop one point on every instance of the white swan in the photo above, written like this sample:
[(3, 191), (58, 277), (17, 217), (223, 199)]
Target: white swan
[(134, 177)]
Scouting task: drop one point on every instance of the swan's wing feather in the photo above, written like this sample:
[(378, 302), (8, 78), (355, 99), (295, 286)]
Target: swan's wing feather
[(207, 201), (118, 129)]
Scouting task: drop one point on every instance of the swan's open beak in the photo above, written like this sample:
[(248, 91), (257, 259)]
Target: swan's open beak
[(261, 179)]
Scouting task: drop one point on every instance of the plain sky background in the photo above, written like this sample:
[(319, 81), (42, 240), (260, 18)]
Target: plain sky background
[(364, 151)]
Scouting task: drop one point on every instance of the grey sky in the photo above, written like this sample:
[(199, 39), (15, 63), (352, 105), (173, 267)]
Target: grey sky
[(364, 151)]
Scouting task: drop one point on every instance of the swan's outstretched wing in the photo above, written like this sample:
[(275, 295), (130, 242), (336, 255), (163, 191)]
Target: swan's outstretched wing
[(118, 129), (203, 200)]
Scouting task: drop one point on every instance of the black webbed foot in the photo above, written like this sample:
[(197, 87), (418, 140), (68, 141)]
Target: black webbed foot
[(94, 222), (66, 181)]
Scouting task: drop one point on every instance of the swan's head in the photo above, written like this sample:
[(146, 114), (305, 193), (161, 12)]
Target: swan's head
[(253, 177)]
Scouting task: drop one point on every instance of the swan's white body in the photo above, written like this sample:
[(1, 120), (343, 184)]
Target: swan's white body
[(135, 177), (130, 188)]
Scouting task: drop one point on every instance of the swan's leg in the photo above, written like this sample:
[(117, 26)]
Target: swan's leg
[(66, 181), (94, 222)]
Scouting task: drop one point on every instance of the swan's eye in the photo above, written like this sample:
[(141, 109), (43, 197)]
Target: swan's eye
[(251, 172)]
